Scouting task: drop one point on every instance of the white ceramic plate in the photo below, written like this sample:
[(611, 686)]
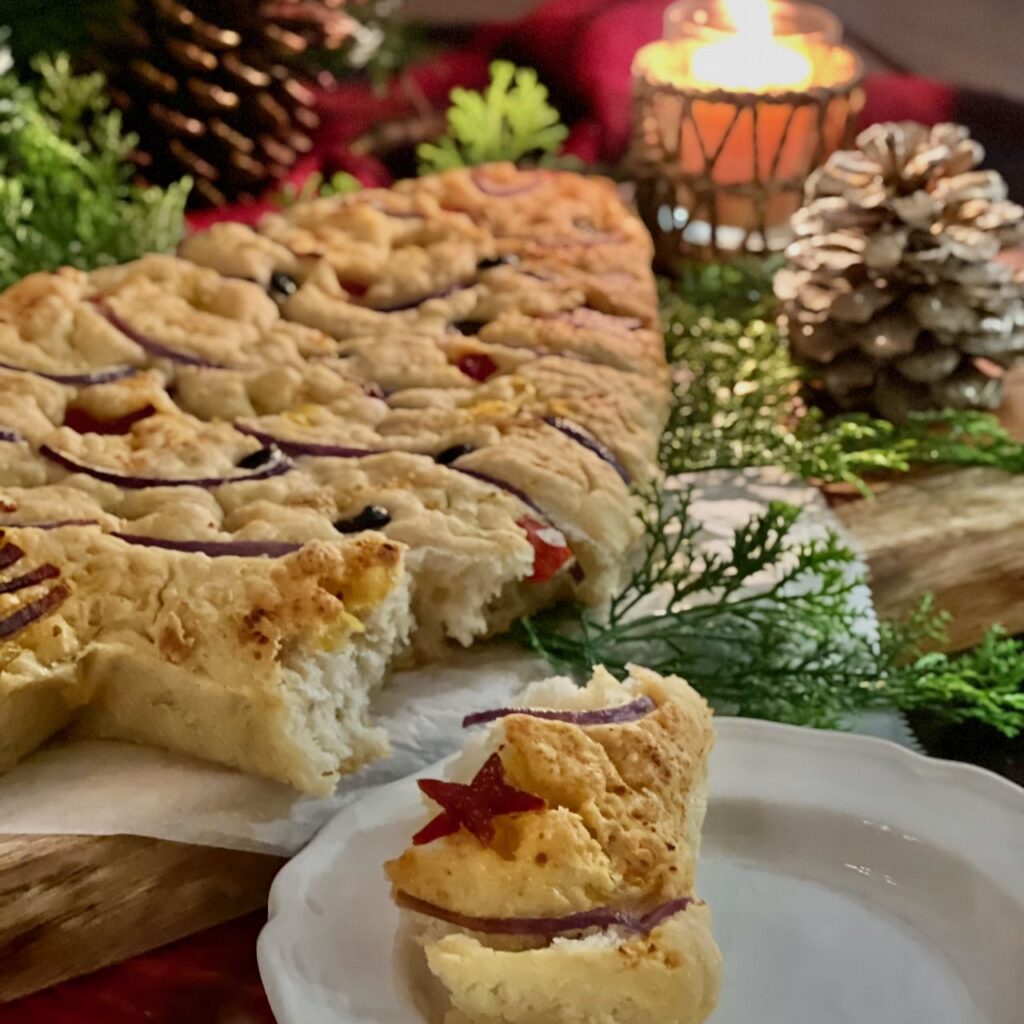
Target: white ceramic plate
[(850, 882)]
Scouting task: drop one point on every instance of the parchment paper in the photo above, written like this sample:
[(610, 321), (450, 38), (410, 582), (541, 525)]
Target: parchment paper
[(106, 788)]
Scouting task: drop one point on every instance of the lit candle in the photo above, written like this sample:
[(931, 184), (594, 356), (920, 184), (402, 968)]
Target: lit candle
[(737, 108), (752, 60)]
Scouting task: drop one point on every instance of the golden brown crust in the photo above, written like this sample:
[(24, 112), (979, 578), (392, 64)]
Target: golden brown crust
[(617, 829), (192, 633)]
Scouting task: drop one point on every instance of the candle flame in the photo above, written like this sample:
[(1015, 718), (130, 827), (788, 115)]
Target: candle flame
[(754, 59), (750, 17)]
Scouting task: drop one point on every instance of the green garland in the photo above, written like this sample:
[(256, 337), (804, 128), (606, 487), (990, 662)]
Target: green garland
[(66, 194), (794, 651), (510, 120), (739, 401)]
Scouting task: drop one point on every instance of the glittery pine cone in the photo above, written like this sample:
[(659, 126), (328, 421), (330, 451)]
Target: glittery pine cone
[(898, 285)]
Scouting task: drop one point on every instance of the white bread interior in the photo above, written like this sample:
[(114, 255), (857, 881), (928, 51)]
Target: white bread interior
[(311, 730)]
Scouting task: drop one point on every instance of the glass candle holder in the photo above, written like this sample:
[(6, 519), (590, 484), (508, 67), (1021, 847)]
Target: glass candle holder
[(728, 124)]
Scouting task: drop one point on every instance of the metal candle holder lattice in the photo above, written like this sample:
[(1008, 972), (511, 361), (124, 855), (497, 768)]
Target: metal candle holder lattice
[(720, 171)]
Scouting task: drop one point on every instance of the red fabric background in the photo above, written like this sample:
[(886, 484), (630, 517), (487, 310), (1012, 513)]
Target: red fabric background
[(582, 50)]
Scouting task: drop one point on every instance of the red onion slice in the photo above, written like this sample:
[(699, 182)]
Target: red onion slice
[(277, 466), (30, 579), (583, 437), (9, 554), (78, 380), (155, 348), (83, 422), (338, 451), (486, 478), (599, 917), (215, 548), (28, 613), (618, 715), (10, 436), (491, 187)]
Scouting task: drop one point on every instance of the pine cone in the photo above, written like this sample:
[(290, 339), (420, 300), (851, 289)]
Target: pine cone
[(896, 285), (212, 87)]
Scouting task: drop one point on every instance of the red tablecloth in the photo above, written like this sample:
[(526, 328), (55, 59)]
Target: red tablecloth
[(210, 978)]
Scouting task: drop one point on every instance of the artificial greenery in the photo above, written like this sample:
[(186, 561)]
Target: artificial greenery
[(792, 649), (66, 194), (738, 397), (316, 186), (510, 120)]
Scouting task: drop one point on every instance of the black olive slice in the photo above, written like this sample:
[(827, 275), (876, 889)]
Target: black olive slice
[(255, 459), (449, 455), (283, 284), (373, 517)]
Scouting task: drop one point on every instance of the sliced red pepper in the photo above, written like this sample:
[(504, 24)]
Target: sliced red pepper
[(84, 422), (477, 365), (550, 549)]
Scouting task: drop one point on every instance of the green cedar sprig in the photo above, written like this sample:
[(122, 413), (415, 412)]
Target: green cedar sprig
[(791, 650), (738, 400), (316, 187), (66, 191), (510, 120)]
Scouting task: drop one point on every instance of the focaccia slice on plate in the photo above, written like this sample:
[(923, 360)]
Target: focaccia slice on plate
[(262, 663), (553, 879)]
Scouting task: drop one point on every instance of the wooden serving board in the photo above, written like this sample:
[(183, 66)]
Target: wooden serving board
[(957, 534), (72, 904)]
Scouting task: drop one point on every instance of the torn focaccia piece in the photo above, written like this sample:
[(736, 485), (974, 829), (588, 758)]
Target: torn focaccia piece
[(553, 880), (258, 656), (485, 550), (479, 555)]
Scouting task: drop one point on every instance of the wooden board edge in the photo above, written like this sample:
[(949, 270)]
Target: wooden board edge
[(72, 904)]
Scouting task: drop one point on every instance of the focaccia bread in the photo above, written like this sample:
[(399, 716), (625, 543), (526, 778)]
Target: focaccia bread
[(467, 367), (262, 663), (478, 489), (553, 880)]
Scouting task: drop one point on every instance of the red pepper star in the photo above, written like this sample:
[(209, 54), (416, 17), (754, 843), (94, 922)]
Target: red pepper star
[(474, 806)]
